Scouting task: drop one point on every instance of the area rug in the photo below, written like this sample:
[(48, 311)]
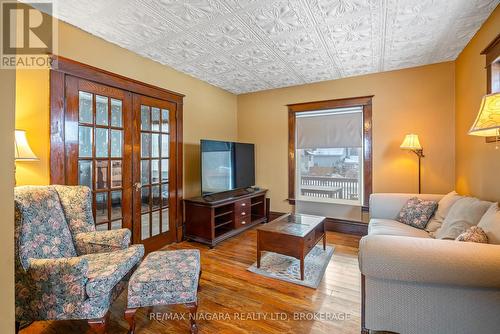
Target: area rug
[(287, 268)]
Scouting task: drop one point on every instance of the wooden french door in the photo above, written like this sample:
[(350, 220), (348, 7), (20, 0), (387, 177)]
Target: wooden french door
[(98, 127), (155, 183), (123, 146)]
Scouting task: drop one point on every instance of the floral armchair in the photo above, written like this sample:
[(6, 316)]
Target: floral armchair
[(65, 269)]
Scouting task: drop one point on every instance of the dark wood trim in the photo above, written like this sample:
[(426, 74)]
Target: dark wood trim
[(335, 224), (492, 51), (57, 107), (346, 226), (179, 173), (291, 157), (366, 103), (330, 104), (91, 73)]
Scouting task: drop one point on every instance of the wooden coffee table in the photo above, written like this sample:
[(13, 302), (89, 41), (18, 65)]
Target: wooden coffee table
[(293, 235)]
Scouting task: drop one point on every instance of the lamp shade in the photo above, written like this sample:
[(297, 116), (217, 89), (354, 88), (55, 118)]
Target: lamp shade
[(22, 148), (487, 123), (411, 142)]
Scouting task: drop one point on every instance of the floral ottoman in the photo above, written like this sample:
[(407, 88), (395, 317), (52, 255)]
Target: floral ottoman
[(165, 278)]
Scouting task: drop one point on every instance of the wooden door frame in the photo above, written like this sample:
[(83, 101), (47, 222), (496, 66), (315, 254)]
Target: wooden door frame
[(57, 118), (363, 101)]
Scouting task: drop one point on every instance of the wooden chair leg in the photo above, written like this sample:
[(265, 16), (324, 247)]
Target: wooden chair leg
[(130, 317), (193, 307), (98, 326)]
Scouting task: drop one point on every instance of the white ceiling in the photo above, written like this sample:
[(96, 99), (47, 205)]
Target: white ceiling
[(250, 45)]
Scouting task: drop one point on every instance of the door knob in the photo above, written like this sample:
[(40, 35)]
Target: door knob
[(137, 186)]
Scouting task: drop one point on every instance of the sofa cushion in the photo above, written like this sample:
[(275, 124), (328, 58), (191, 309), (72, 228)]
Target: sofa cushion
[(466, 212), (107, 269), (443, 208), (41, 229), (473, 234), (490, 223), (417, 212), (392, 227)]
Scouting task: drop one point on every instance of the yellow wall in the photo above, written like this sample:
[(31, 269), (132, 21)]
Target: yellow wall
[(478, 163), (209, 112), (417, 100), (7, 99)]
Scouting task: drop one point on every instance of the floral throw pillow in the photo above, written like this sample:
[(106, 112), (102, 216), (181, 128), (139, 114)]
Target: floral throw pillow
[(474, 234), (417, 212)]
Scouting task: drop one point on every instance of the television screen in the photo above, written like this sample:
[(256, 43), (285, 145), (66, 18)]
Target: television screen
[(226, 166)]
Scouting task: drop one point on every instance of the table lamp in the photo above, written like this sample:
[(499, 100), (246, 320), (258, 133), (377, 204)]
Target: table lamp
[(22, 150), (412, 143), (487, 123)]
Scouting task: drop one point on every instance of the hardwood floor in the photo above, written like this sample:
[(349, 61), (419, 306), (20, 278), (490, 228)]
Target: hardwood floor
[(229, 293)]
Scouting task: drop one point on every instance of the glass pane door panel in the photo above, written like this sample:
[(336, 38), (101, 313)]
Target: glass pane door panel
[(101, 174), (116, 143), (117, 224), (164, 220), (145, 226), (145, 145), (101, 207), (145, 118), (155, 223), (85, 114), (145, 172), (164, 170), (101, 143), (85, 173), (155, 119), (145, 199), (85, 142), (116, 173), (164, 195), (156, 197), (164, 146), (101, 106), (116, 113), (155, 171), (116, 205), (155, 141), (164, 120)]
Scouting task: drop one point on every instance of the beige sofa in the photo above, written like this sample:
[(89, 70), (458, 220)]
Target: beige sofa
[(414, 284)]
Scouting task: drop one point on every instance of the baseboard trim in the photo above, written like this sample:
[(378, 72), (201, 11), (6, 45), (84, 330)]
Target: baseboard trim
[(335, 224), (346, 226)]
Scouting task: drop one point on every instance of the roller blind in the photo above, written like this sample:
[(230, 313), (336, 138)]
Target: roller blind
[(341, 127)]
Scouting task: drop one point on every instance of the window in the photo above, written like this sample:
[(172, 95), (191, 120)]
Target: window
[(330, 151)]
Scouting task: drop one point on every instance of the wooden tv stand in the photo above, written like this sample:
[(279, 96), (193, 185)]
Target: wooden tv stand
[(211, 222)]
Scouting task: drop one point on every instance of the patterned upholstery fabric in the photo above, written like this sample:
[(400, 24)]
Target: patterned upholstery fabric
[(417, 212), (102, 241), (41, 228), (107, 269), (474, 234), (165, 277), (76, 202), (52, 282)]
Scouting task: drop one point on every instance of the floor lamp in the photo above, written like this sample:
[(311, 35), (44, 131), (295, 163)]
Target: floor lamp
[(412, 143)]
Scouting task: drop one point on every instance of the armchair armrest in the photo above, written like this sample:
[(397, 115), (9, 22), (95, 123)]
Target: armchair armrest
[(388, 205), (432, 261), (102, 241), (62, 279)]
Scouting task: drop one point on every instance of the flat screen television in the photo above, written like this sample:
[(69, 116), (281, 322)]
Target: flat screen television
[(226, 166)]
